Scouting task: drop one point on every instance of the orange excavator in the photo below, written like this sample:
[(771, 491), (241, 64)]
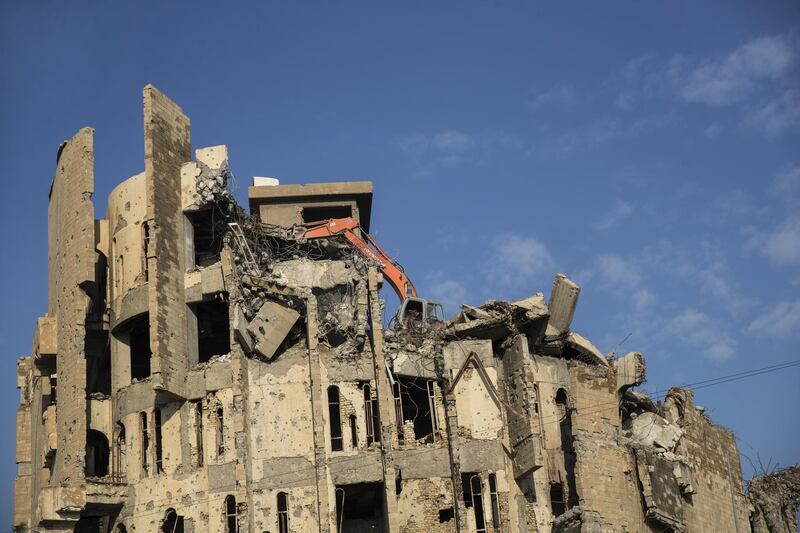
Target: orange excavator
[(414, 312)]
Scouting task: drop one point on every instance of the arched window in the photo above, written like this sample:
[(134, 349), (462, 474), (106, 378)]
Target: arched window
[(495, 502), (371, 418), (122, 451), (353, 432), (283, 512), (173, 522), (335, 416), (230, 514), (562, 403), (97, 454)]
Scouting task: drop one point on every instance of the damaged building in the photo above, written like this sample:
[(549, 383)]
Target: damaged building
[(202, 367)]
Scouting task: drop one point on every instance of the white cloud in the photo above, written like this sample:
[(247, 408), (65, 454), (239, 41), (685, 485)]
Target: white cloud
[(562, 96), (782, 321), (620, 276), (733, 78), (445, 149), (606, 130), (782, 246), (736, 204), (642, 299), (787, 184), (702, 332), (519, 262), (620, 210), (449, 149), (777, 115), (708, 270), (447, 292)]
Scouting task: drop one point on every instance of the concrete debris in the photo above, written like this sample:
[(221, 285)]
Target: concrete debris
[(649, 429), (630, 370), (203, 369), (497, 319), (585, 349), (270, 327), (563, 300)]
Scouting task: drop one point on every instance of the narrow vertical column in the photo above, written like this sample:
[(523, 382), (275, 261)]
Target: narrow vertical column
[(453, 443), (385, 403), (317, 409), (167, 146), (71, 272)]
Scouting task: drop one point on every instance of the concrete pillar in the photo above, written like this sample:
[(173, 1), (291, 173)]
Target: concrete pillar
[(385, 404)]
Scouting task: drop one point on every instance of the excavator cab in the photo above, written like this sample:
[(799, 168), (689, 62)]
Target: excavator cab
[(419, 313)]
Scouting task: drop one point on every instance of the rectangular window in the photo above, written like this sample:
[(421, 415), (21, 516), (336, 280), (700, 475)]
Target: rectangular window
[(145, 444), (198, 430), (371, 416), (432, 408), (159, 448), (398, 410), (220, 432), (213, 329)]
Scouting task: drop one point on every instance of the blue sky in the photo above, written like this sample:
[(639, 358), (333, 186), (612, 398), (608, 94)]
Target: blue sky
[(648, 150)]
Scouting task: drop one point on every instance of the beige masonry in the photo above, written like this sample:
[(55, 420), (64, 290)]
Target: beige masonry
[(202, 369)]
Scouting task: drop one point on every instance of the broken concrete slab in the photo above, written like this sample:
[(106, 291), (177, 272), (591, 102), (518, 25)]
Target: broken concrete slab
[(582, 345), (563, 300), (270, 327), (630, 370)]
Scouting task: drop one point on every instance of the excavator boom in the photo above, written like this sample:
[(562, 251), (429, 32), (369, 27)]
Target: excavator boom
[(369, 248)]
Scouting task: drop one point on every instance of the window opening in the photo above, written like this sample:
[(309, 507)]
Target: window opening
[(335, 415), (213, 329), (359, 507), (220, 432), (398, 410), (53, 388), (145, 443), (371, 416), (121, 449), (97, 454), (326, 212), (283, 512), (417, 398), (198, 430), (557, 499), (567, 446), (353, 432), (146, 249), (159, 449), (139, 331), (208, 226), (173, 522), (473, 497), (230, 514), (495, 502)]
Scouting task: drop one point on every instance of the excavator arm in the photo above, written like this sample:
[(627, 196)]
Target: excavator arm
[(369, 248)]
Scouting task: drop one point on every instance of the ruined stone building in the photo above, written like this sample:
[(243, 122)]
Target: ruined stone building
[(202, 369)]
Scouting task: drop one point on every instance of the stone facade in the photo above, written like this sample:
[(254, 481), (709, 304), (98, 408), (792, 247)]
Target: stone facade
[(202, 369)]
